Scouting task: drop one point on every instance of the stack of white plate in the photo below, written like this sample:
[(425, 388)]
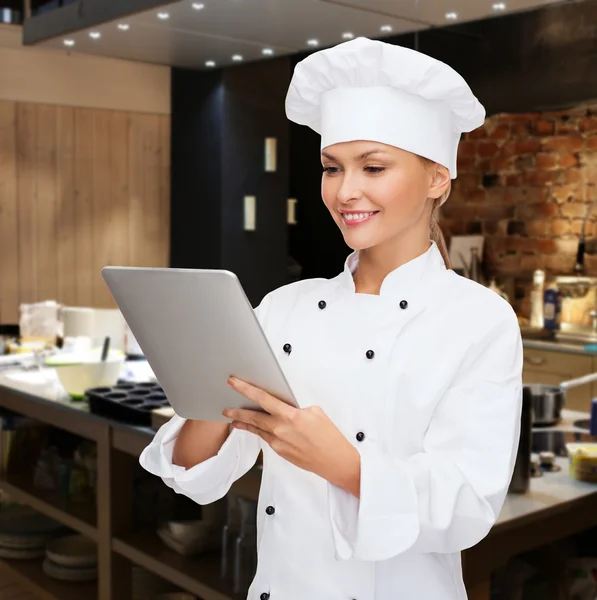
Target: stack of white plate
[(71, 558), (24, 533)]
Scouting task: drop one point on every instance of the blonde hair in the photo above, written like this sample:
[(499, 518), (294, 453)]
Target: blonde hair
[(435, 231)]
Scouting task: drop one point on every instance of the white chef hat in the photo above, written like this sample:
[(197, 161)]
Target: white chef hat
[(371, 90)]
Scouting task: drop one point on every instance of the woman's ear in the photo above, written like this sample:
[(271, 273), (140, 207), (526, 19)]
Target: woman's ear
[(440, 181)]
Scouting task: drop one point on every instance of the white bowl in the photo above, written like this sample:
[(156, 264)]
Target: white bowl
[(80, 373), (188, 530)]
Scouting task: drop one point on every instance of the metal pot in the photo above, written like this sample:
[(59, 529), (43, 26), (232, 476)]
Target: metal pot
[(548, 400)]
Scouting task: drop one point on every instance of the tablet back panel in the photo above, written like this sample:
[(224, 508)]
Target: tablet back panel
[(196, 328)]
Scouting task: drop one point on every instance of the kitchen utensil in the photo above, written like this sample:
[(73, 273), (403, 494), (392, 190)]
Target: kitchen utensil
[(519, 484), (78, 373), (548, 400), (106, 348), (579, 381), (130, 402)]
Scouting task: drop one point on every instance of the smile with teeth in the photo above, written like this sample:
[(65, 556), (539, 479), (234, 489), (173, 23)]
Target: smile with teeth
[(357, 218)]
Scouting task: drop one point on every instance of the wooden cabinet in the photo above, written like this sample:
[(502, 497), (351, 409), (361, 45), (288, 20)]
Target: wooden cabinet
[(553, 366)]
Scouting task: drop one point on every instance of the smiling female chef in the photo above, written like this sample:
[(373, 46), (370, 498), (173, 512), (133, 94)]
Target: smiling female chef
[(408, 375)]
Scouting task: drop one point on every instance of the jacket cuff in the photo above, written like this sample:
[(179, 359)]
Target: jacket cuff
[(207, 481), (384, 521)]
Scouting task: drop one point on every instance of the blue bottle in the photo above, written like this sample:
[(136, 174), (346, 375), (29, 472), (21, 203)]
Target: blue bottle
[(551, 309)]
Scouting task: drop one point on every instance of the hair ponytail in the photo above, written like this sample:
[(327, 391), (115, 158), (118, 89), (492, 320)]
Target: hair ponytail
[(435, 231)]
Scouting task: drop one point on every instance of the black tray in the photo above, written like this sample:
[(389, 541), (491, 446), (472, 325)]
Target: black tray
[(127, 401)]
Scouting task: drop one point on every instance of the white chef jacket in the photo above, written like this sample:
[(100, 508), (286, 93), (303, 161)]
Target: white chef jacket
[(425, 380)]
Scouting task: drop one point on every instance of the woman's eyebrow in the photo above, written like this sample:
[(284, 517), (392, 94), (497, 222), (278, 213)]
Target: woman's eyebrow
[(359, 157)]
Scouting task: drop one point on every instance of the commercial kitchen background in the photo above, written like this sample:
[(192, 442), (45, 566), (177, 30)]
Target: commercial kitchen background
[(131, 133)]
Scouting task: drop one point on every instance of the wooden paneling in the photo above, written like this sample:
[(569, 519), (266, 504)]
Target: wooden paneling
[(9, 264), (65, 215), (27, 217), (44, 76), (80, 188)]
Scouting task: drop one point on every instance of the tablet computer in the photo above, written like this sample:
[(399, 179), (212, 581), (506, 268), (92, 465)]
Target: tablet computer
[(196, 327)]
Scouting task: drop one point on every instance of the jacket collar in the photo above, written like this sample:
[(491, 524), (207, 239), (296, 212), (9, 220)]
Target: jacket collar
[(404, 281)]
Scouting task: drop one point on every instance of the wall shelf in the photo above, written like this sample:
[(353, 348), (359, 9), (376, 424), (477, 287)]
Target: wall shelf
[(81, 518), (197, 574), (30, 575)]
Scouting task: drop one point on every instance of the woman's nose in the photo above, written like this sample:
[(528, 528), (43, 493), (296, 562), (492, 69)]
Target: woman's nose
[(348, 190)]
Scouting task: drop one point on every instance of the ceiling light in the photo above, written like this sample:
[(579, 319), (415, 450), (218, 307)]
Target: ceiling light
[(95, 35), (123, 26), (451, 16), (237, 57), (313, 42), (347, 35), (69, 43), (163, 16), (499, 6), (198, 5), (210, 63), (386, 28), (267, 52)]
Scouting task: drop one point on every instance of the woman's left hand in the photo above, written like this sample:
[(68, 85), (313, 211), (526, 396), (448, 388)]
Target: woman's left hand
[(306, 437)]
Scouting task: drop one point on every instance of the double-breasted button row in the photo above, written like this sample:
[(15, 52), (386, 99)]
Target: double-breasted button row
[(370, 354), (270, 510), (322, 304)]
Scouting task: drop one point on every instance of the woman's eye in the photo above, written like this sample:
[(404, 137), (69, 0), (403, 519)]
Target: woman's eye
[(374, 169), (330, 170)]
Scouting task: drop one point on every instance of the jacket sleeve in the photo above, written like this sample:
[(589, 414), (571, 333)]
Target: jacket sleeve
[(210, 480), (447, 497)]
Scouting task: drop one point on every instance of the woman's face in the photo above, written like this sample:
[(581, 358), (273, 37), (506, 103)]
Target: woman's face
[(376, 193)]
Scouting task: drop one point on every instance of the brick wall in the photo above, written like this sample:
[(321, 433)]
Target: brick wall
[(525, 182)]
